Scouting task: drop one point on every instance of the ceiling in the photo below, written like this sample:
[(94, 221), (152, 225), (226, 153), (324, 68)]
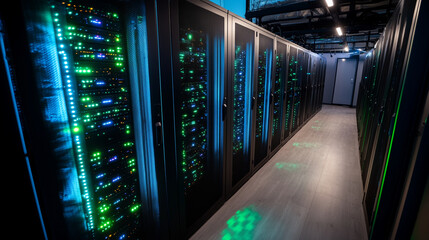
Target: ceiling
[(311, 23)]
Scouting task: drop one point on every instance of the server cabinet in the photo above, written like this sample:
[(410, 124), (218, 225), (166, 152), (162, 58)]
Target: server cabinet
[(387, 85), (279, 83), (390, 115), (315, 86), (322, 82), (262, 96), (297, 88), (294, 88), (241, 66), (368, 88), (126, 114), (77, 113), (303, 57), (199, 109), (316, 73), (310, 85), (22, 187), (305, 87), (288, 94)]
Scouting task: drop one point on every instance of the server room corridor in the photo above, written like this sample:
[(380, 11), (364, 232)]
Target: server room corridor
[(311, 189)]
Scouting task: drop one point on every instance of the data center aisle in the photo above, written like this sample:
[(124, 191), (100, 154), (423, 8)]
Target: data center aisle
[(311, 189)]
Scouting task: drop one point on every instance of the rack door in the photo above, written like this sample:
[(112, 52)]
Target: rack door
[(263, 87), (199, 86), (279, 82), (241, 97)]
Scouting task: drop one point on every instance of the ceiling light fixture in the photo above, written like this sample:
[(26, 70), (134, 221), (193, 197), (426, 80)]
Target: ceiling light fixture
[(346, 48), (330, 3), (339, 31)]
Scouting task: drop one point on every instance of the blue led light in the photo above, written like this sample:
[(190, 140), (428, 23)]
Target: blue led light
[(107, 101), (107, 123), (116, 179), (96, 21), (113, 159)]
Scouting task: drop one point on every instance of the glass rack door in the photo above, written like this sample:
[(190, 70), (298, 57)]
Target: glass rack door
[(263, 87), (295, 88), (199, 95), (242, 94), (278, 92)]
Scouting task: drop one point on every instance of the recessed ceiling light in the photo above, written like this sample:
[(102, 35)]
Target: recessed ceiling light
[(330, 3), (339, 31)]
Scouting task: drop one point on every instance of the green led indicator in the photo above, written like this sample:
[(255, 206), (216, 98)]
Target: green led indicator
[(134, 208)]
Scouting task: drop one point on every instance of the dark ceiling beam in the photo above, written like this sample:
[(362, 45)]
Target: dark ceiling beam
[(339, 42), (293, 7), (351, 15), (327, 15), (361, 34), (373, 22), (321, 24)]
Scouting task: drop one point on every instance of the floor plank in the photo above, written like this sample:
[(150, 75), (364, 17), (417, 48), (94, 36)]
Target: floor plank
[(311, 189)]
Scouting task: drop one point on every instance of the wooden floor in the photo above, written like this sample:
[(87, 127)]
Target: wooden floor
[(311, 189)]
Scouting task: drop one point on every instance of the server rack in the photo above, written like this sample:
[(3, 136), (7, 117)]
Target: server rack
[(242, 42), (279, 94), (23, 186), (288, 113), (204, 99), (305, 87), (299, 57), (391, 107), (253, 101), (310, 86), (79, 119), (199, 110), (262, 94)]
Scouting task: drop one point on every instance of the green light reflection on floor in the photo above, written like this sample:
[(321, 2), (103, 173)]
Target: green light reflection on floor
[(241, 226), (305, 144), (287, 166), (317, 125)]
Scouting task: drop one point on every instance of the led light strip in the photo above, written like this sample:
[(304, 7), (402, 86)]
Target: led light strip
[(70, 97)]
